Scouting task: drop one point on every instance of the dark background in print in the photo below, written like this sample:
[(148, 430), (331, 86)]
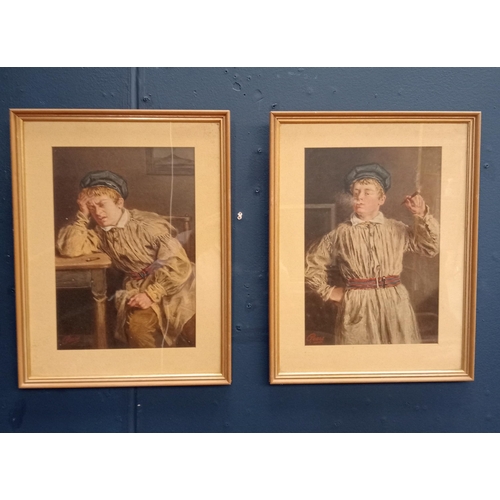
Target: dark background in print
[(150, 189), (411, 169)]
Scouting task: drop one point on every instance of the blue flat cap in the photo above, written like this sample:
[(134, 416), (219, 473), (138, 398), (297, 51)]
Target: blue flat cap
[(371, 171), (105, 178)]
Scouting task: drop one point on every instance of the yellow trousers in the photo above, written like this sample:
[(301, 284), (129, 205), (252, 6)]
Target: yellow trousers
[(143, 330)]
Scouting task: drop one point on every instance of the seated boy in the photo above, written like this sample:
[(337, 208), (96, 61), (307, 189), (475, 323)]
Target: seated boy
[(373, 305), (156, 307)]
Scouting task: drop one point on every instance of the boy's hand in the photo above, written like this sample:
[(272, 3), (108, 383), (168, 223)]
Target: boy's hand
[(82, 204), (140, 301), (415, 204), (336, 294)]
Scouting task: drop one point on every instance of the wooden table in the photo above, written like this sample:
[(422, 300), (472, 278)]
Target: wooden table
[(88, 271)]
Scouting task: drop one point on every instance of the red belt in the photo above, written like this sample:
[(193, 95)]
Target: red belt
[(370, 283), (144, 273)]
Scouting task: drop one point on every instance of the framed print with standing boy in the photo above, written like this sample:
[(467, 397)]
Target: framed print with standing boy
[(122, 247), (373, 246)]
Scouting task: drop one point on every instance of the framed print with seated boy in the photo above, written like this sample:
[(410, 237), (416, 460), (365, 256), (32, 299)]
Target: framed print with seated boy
[(122, 237), (373, 246)]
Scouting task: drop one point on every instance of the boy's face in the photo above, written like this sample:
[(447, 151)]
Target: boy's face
[(367, 200), (104, 210)]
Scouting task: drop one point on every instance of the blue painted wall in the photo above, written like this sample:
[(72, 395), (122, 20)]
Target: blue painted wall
[(250, 404)]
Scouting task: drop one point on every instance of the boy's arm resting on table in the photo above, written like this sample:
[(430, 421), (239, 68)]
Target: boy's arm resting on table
[(77, 239), (173, 268)]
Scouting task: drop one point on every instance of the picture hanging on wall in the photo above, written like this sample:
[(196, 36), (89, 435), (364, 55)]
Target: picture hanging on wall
[(373, 246), (122, 247)]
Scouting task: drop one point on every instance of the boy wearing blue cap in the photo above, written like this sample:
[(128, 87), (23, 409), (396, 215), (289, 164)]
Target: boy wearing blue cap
[(156, 307), (373, 305)]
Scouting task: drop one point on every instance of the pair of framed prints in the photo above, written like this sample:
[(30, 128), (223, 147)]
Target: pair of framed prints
[(122, 229)]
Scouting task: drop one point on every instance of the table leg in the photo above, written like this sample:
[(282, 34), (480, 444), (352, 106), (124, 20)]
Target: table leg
[(98, 287)]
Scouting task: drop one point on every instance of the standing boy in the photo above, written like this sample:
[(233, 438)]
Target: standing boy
[(156, 306), (373, 305)]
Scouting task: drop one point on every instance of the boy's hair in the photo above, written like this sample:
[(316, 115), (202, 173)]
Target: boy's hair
[(369, 180), (102, 191)]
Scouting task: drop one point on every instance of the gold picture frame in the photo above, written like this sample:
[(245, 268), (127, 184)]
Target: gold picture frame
[(69, 331), (318, 335)]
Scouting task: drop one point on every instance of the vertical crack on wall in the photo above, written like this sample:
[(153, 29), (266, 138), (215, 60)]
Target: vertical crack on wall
[(136, 76), (132, 410), (134, 88), (16, 415)]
